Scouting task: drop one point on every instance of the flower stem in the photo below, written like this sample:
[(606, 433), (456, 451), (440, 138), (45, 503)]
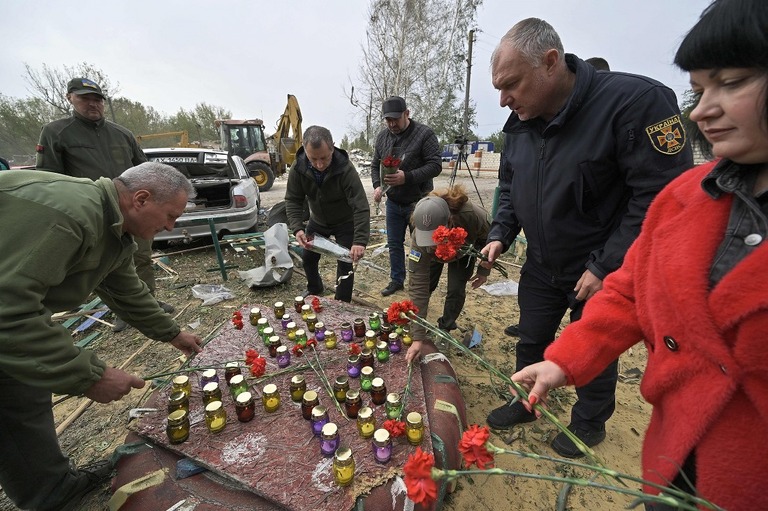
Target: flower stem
[(324, 380), (673, 492), (406, 392), (521, 392), (639, 495)]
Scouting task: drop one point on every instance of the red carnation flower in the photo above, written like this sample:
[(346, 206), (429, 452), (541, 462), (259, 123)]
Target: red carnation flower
[(354, 349), (396, 428), (258, 367), (394, 310), (472, 447), (420, 486)]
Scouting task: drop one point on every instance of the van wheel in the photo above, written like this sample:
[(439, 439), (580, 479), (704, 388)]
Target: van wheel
[(262, 174)]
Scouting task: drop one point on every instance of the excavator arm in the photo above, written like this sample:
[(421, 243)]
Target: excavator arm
[(288, 135)]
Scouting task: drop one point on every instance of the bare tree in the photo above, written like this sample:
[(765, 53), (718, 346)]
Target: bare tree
[(50, 83), (417, 50)]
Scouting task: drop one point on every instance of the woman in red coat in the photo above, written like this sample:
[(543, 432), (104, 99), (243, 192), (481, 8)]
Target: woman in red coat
[(694, 285)]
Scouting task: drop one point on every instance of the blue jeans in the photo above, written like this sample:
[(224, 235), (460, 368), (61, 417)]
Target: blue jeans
[(398, 219)]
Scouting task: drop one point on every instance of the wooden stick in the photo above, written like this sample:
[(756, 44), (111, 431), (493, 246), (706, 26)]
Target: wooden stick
[(100, 320), (167, 269), (67, 315), (84, 405)]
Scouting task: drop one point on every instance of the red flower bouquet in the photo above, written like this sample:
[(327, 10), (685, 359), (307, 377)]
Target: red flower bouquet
[(396, 309), (389, 165), (452, 244)]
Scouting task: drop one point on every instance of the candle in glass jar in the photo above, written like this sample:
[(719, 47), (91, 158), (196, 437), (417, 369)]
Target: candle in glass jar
[(395, 344), (182, 383), (308, 401), (393, 405), (244, 407), (297, 303), (284, 321), (318, 419), (358, 325), (231, 369), (261, 324), (340, 388), (366, 358), (366, 422), (343, 466), (370, 340), (414, 428), (374, 321), (211, 392), (215, 416), (290, 331), (382, 351), (378, 391), (278, 309), (353, 366), (177, 428), (320, 331), (208, 376), (237, 385), (312, 323), (298, 387), (301, 337), (266, 334), (306, 310), (366, 378), (352, 403), (270, 398), (382, 446), (347, 334), (273, 344), (254, 315), (329, 439), (406, 337), (384, 332), (283, 357), (330, 339), (178, 401)]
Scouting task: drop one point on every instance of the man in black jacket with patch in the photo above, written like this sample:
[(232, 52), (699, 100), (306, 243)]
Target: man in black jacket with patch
[(584, 155), (415, 146)]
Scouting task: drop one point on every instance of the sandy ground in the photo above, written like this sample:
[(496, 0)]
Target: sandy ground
[(101, 428)]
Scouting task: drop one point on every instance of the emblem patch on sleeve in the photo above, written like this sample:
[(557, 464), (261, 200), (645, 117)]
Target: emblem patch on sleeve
[(414, 256), (667, 136)]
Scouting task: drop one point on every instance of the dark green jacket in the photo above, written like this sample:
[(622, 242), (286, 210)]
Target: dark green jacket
[(473, 219), (63, 239), (341, 197), (79, 147)]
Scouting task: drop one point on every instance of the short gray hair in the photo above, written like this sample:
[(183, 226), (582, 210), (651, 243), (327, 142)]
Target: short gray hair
[(162, 181), (532, 37), (316, 135)]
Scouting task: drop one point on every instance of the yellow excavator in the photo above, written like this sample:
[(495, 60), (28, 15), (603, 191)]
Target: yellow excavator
[(266, 158), (183, 138)]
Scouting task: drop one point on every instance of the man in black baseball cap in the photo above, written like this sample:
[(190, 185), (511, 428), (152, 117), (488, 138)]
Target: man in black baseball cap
[(81, 86), (414, 149), (393, 107)]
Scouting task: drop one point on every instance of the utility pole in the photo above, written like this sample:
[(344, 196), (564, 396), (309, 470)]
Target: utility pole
[(465, 125)]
